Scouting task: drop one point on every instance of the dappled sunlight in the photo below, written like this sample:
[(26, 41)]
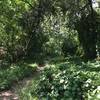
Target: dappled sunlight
[(49, 50)]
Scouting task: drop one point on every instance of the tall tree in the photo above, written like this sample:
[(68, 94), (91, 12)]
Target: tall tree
[(80, 16), (83, 18), (87, 30)]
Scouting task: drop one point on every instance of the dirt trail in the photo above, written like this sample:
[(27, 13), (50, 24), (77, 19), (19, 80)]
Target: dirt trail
[(12, 94)]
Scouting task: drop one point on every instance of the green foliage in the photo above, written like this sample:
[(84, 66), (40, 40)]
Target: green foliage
[(44, 29), (29, 91), (70, 81), (11, 35), (69, 46), (29, 26), (14, 73)]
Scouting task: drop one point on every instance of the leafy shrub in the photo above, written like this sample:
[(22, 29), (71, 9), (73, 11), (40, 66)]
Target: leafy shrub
[(69, 46), (70, 81), (28, 92), (13, 74)]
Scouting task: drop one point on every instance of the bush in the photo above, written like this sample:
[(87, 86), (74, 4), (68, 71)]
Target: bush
[(70, 81), (69, 46), (13, 74)]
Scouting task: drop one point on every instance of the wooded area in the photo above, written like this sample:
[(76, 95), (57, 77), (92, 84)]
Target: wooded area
[(57, 39)]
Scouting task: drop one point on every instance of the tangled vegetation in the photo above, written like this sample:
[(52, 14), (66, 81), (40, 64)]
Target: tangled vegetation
[(61, 35), (72, 80), (15, 73)]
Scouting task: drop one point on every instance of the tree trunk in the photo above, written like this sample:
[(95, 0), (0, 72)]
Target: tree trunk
[(87, 34)]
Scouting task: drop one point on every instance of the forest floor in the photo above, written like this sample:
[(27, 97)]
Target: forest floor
[(12, 94)]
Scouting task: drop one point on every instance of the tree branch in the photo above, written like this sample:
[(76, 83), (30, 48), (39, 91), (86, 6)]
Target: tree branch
[(26, 1)]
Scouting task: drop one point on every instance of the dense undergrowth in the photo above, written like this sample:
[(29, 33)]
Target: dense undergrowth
[(68, 80), (14, 73)]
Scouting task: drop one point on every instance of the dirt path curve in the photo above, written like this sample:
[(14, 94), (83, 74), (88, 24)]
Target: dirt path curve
[(12, 94)]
